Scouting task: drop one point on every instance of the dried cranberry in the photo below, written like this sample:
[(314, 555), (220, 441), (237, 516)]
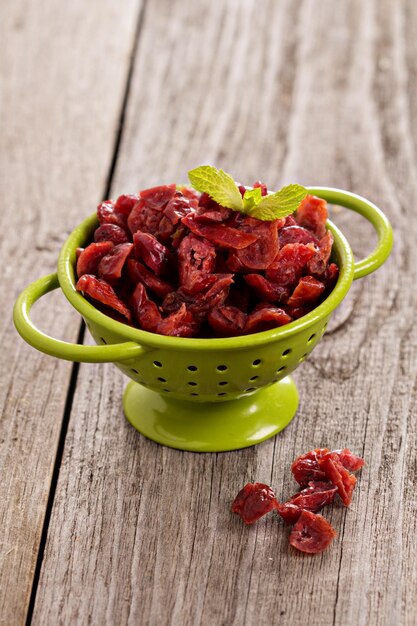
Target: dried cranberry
[(318, 263), (177, 208), (107, 214), (260, 254), (296, 234), (158, 197), (289, 512), (145, 311), (253, 502), (111, 265), (90, 257), (111, 232), (220, 234), (234, 264), (143, 217), (215, 296), (289, 221), (102, 292), (330, 277), (309, 289), (312, 214), (266, 289), (213, 213), (262, 186), (196, 261), (266, 318), (125, 203), (341, 477), (349, 460), (298, 311), (289, 264), (227, 321), (312, 533), (188, 192), (306, 467), (181, 323), (207, 202), (138, 272), (313, 498), (153, 253)]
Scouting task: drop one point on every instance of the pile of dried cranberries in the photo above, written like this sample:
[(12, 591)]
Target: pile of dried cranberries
[(321, 474), (172, 261)]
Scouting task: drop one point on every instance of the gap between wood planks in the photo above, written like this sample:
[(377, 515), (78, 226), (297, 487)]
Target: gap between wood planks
[(81, 333)]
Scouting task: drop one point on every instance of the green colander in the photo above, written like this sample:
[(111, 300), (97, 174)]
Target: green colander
[(204, 394)]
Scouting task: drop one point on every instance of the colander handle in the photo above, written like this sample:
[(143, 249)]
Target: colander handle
[(374, 215), (62, 349)]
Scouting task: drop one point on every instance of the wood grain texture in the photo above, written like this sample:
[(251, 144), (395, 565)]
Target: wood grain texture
[(62, 88), (142, 534)]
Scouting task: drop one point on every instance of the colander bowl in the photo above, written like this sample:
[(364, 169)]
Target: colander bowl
[(204, 394)]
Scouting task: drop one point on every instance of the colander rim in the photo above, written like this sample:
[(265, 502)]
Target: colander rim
[(66, 277)]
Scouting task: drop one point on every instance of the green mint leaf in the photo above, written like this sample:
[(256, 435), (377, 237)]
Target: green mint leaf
[(279, 204), (218, 185), (251, 198)]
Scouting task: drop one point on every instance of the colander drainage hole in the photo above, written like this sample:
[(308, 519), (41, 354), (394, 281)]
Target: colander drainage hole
[(192, 383), (167, 390), (304, 356), (311, 338), (157, 363), (222, 393), (253, 378), (162, 380), (222, 383), (103, 340), (287, 352), (193, 394), (134, 371), (192, 368), (281, 369), (250, 389), (256, 362), (221, 368)]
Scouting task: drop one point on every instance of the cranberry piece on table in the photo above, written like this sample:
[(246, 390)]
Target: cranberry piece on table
[(339, 476), (306, 467), (253, 502), (312, 533), (313, 498)]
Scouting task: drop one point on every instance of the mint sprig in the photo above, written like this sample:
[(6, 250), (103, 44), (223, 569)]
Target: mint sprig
[(279, 204), (221, 187), (218, 185)]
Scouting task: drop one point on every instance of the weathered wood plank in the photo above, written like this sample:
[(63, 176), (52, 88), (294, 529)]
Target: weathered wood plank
[(142, 534), (63, 69)]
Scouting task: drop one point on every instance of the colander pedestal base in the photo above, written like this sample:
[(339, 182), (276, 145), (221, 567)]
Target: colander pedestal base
[(211, 426)]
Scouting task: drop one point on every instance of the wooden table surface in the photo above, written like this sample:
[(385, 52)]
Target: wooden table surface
[(99, 525)]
